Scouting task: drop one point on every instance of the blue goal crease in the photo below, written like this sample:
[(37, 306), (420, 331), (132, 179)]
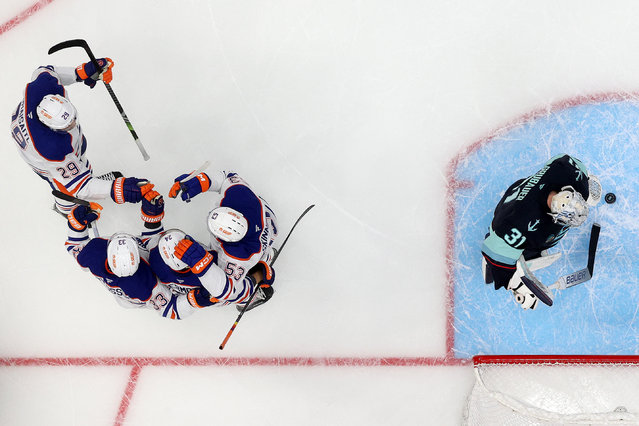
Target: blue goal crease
[(597, 317)]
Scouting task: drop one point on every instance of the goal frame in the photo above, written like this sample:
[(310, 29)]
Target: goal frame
[(496, 401)]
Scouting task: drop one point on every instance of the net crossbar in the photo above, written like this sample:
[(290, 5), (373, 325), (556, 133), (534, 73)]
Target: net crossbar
[(554, 390)]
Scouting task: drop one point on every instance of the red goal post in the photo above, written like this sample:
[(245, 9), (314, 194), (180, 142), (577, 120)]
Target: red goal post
[(554, 389)]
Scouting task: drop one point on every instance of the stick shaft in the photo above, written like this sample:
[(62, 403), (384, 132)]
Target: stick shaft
[(66, 197), (239, 317), (83, 44)]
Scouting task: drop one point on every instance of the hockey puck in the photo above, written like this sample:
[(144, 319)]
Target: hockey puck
[(610, 198)]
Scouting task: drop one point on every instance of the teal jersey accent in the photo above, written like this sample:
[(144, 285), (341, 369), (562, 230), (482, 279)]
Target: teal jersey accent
[(498, 249)]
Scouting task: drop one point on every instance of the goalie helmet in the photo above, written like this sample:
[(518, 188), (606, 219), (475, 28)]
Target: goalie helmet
[(166, 247), (568, 207), (227, 224), (123, 256), (57, 113)]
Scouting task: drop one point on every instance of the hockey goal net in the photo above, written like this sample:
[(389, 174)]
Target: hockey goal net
[(554, 390)]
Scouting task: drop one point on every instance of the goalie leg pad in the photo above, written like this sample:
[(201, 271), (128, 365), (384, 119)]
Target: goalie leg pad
[(485, 270)]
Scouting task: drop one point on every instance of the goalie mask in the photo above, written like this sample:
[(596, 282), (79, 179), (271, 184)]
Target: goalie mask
[(568, 207), (227, 224), (123, 256), (166, 247), (594, 191), (57, 113)]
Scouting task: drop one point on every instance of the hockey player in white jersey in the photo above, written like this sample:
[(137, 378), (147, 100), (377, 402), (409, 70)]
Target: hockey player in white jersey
[(48, 135), (176, 259), (243, 228), (121, 261)]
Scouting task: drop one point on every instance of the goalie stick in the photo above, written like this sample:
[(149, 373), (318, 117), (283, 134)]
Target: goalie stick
[(277, 254), (93, 206), (578, 277), (83, 44), (582, 275)]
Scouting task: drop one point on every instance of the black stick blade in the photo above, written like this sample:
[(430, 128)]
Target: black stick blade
[(537, 291), (78, 42), (592, 247)]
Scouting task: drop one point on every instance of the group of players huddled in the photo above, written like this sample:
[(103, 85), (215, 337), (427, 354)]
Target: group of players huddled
[(165, 270)]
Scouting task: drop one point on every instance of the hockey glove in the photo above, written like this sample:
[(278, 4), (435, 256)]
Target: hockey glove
[(88, 73), (152, 207), (194, 255), (81, 216), (263, 274), (190, 188), (128, 190), (263, 294)]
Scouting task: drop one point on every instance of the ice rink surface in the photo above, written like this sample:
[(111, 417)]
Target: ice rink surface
[(365, 109)]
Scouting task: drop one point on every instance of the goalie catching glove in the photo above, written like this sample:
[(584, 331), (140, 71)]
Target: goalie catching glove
[(190, 188), (81, 216), (89, 74)]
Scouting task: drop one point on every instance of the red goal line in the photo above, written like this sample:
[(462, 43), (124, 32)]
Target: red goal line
[(235, 361)]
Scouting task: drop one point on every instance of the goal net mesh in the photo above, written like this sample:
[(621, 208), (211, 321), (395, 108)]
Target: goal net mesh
[(554, 390)]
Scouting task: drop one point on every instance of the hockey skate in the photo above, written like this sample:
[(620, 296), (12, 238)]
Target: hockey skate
[(261, 297), (110, 176)]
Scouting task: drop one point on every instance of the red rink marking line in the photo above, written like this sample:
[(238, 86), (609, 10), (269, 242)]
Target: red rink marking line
[(454, 185), (22, 16), (128, 394), (140, 362)]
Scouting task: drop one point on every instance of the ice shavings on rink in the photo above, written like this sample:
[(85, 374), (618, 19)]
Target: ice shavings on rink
[(598, 317)]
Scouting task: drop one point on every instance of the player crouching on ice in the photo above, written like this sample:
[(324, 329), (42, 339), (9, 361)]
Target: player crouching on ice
[(531, 217), (242, 226), (188, 268), (50, 140)]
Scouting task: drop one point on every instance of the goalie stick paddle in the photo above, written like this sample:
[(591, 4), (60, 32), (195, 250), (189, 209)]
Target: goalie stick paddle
[(582, 275), (83, 44), (277, 254)]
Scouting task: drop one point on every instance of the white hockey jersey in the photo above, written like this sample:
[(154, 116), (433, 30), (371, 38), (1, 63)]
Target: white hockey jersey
[(236, 259), (140, 290), (57, 157)]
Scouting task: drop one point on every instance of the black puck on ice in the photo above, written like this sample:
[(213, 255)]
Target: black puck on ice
[(610, 198)]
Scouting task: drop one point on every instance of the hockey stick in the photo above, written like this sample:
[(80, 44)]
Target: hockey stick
[(83, 44), (70, 198), (534, 285), (578, 277), (582, 275), (277, 253)]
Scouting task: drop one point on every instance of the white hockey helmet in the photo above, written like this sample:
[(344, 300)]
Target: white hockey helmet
[(166, 246), (57, 113), (568, 207), (123, 256), (227, 224)]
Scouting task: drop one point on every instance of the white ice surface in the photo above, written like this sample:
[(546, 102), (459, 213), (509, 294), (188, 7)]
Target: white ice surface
[(354, 106)]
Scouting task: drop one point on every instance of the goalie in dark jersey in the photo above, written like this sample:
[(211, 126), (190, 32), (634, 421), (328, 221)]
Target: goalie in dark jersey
[(531, 217)]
